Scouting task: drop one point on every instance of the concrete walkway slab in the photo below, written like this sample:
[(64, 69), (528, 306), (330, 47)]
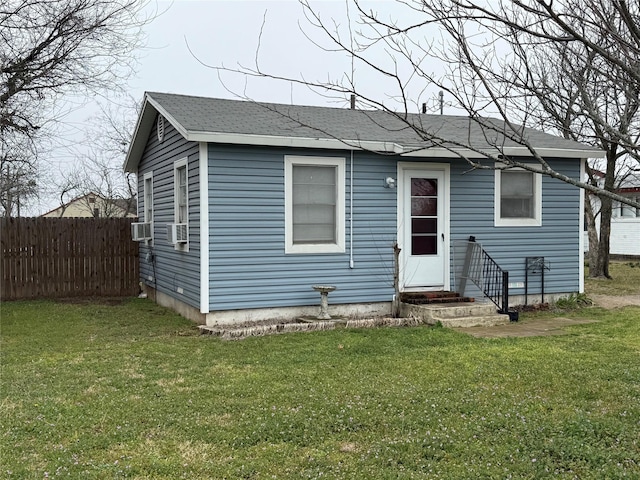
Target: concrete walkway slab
[(528, 328)]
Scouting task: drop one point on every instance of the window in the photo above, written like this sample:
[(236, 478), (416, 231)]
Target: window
[(180, 193), (314, 204), (181, 202), (627, 210), (518, 198), (148, 197)]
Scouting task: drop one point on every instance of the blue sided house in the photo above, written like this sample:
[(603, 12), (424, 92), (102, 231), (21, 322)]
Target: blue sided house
[(244, 206)]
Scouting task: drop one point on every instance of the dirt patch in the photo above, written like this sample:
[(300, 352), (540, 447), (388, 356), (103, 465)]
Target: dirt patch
[(615, 301), (110, 301)]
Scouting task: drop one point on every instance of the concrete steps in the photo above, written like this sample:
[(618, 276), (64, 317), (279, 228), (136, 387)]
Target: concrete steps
[(441, 296), (454, 315)]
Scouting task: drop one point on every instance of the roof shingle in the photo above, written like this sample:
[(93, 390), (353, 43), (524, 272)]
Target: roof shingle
[(257, 123), (214, 115)]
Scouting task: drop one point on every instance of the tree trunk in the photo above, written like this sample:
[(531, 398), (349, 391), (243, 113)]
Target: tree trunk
[(599, 260), (592, 231), (599, 256)]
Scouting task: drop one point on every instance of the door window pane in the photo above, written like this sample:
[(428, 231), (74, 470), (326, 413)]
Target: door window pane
[(424, 216), (424, 225), (421, 187), (424, 245), (424, 207)]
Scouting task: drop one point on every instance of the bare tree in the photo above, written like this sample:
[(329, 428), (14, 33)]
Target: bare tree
[(99, 171), (577, 66), (106, 190), (18, 179), (577, 88), (567, 67), (49, 48), (55, 49), (476, 77)]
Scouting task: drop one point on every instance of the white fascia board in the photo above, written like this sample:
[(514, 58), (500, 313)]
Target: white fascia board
[(440, 152), (298, 142), (375, 146), (144, 126), (555, 152), (509, 151), (139, 139)]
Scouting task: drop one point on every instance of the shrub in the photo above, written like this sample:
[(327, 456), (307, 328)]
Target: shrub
[(574, 301)]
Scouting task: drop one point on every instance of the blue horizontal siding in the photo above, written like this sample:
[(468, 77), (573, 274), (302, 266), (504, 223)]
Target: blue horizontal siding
[(472, 213), (247, 264), (249, 268), (171, 269)]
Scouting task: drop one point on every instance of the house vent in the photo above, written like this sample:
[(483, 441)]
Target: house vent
[(160, 128), (177, 233)]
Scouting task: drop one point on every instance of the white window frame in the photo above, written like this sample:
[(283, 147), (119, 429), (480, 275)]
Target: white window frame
[(147, 197), (536, 221), (177, 165), (147, 201), (339, 245)]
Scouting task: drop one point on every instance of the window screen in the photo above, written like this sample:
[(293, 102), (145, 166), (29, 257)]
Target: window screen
[(314, 204), (181, 193), (517, 195), (148, 199)]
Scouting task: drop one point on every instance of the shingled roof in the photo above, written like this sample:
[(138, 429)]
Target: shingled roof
[(256, 123)]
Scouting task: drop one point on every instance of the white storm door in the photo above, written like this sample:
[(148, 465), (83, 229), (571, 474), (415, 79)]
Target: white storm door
[(424, 229)]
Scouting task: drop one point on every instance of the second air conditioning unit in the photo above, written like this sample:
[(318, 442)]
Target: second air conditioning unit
[(177, 233)]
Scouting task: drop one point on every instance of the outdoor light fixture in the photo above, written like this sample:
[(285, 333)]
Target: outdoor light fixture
[(390, 182)]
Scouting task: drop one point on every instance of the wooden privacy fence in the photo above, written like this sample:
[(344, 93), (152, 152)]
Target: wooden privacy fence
[(67, 257)]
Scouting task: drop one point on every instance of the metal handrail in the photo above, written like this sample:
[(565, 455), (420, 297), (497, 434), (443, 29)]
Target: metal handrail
[(486, 274)]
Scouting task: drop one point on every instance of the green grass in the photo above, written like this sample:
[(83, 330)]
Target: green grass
[(93, 391), (625, 281)]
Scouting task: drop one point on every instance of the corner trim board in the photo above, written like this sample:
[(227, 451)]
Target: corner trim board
[(203, 187), (581, 244)]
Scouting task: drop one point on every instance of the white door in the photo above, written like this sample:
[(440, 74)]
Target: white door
[(423, 224)]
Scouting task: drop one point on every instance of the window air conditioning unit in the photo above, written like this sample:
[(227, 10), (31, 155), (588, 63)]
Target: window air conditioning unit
[(177, 233), (140, 231)]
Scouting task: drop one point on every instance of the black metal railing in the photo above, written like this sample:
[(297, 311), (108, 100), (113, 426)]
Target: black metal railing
[(486, 274)]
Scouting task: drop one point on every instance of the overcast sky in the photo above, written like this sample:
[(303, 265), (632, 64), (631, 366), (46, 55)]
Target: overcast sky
[(189, 33), (215, 32), (227, 33)]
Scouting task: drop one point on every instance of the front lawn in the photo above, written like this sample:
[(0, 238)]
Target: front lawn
[(625, 280), (132, 391)]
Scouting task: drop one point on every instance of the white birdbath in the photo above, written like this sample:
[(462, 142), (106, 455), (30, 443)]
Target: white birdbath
[(324, 300)]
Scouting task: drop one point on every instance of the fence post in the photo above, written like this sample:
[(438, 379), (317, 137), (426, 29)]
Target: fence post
[(505, 292)]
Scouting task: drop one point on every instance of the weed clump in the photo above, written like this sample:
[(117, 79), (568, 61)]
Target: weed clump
[(575, 301)]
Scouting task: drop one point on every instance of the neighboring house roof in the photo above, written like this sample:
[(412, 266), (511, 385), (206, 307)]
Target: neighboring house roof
[(217, 120), (81, 206), (629, 184)]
